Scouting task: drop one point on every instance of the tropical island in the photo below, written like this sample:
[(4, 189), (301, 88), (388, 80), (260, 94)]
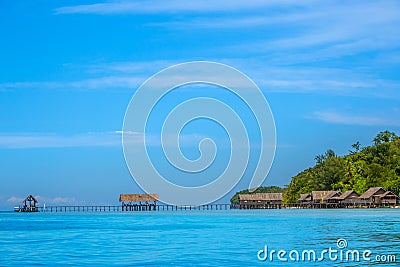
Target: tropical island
[(365, 177), (362, 170)]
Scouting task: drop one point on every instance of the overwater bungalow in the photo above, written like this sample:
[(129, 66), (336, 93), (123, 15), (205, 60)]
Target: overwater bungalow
[(320, 197), (260, 201), (132, 202), (372, 196), (305, 199), (348, 197), (389, 198), (28, 205)]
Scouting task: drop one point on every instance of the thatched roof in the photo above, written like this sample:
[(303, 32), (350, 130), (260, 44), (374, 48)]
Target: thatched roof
[(138, 197), (319, 195), (261, 197), (388, 194), (373, 191), (348, 194), (305, 197)]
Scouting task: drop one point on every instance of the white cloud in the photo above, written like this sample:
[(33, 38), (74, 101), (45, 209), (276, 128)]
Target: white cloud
[(129, 132), (15, 200), (335, 81), (325, 31), (313, 31), (174, 6), (351, 119), (58, 200), (100, 139), (112, 75), (221, 23), (323, 21), (136, 68), (31, 140), (359, 82), (105, 82)]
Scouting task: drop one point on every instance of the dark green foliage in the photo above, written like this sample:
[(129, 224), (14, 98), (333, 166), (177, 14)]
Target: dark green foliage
[(262, 189), (356, 146), (376, 165)]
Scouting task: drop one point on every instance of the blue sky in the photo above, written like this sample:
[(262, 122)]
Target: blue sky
[(330, 72)]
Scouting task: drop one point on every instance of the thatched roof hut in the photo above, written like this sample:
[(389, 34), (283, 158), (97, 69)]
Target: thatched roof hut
[(373, 192), (389, 198), (378, 196), (261, 197), (389, 194), (260, 200), (324, 196), (350, 196), (138, 197), (305, 198)]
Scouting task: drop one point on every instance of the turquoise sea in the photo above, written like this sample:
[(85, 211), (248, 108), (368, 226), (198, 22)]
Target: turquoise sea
[(198, 238)]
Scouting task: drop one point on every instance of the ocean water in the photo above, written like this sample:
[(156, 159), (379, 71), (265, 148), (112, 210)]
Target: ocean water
[(198, 238)]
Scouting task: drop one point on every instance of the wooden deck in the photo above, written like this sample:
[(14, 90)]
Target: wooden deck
[(133, 207), (163, 207)]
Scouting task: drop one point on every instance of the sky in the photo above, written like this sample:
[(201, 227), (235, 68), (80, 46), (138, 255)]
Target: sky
[(329, 71)]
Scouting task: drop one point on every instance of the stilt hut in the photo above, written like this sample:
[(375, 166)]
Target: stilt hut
[(28, 205), (305, 199), (132, 202), (389, 198), (319, 197), (372, 197), (260, 201), (349, 197)]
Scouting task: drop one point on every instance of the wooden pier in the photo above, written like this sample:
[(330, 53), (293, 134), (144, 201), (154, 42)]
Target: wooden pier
[(149, 203), (164, 207), (134, 202), (132, 208)]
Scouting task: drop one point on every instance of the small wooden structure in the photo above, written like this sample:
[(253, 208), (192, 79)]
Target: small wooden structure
[(305, 199), (372, 197), (135, 202), (319, 197), (349, 197), (29, 205), (260, 201), (389, 198)]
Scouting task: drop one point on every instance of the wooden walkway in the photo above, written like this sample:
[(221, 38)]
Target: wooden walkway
[(163, 207), (133, 207), (336, 206)]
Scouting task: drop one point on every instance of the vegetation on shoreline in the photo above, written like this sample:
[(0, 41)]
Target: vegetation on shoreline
[(360, 169)]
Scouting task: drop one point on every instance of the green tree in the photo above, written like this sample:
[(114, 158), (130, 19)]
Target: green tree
[(384, 137), (356, 146), (376, 165)]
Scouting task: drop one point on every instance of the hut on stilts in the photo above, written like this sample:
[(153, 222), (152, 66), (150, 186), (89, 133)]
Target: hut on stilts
[(137, 202), (28, 205)]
